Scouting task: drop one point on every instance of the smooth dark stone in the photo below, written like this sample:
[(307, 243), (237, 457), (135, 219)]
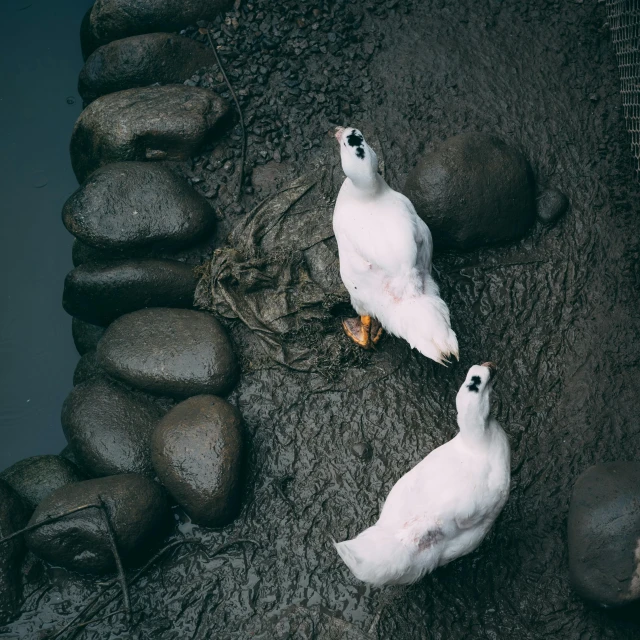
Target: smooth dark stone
[(175, 352), (131, 206), (472, 191), (604, 534), (140, 61), (551, 205), (13, 517), (85, 335), (87, 369), (150, 123), (109, 427), (99, 293), (197, 454), (33, 479), (115, 19), (138, 511)]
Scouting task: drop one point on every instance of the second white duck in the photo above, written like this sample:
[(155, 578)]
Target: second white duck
[(445, 506), (385, 259)]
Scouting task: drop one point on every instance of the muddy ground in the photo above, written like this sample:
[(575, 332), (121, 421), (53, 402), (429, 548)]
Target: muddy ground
[(558, 312)]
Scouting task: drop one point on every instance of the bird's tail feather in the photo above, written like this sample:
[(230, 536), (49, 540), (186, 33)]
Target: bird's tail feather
[(376, 556), (424, 322)]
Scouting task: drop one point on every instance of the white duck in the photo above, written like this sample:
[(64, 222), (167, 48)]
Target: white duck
[(445, 506), (385, 259)]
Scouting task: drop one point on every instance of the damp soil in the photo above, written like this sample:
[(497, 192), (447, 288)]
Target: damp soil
[(557, 311)]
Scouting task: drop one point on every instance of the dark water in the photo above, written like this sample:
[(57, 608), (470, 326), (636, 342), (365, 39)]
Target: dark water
[(39, 63)]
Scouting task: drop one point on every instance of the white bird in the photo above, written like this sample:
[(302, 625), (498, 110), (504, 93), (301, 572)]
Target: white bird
[(385, 254), (445, 506)]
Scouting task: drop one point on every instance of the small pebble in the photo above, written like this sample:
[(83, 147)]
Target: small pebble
[(551, 204), (362, 450)]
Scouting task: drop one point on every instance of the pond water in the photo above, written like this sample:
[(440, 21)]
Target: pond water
[(39, 63)]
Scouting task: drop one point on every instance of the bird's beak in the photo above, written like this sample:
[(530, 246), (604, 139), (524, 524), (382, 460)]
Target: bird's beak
[(493, 369), (338, 133)]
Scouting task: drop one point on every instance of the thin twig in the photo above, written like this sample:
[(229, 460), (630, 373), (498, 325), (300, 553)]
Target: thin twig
[(136, 577), (116, 556), (235, 99), (226, 545), (48, 520)]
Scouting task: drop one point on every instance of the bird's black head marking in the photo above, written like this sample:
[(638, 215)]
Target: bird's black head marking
[(355, 139), (475, 383)]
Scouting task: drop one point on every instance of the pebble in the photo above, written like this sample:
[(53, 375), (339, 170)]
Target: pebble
[(137, 508), (33, 479), (474, 190), (551, 205), (109, 427), (129, 207), (170, 122), (197, 454), (176, 352), (604, 534), (99, 293)]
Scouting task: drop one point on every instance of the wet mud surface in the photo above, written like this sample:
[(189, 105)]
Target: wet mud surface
[(557, 311)]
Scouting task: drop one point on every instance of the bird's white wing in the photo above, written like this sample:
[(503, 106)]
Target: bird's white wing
[(436, 490)]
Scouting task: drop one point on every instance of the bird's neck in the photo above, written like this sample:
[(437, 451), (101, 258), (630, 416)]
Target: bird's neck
[(474, 424), (367, 185)]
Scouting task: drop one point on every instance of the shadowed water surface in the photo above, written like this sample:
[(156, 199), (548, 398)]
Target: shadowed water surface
[(39, 62)]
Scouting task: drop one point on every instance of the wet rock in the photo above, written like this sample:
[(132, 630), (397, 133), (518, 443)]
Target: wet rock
[(114, 19), (176, 352), (13, 516), (109, 427), (149, 123), (604, 534), (85, 335), (139, 61), (197, 454), (131, 206), (33, 479), (138, 511), (473, 190), (87, 369), (82, 253), (551, 205), (99, 293)]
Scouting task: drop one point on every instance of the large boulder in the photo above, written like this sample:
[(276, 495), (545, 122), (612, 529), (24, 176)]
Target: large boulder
[(175, 352), (139, 61), (33, 479), (604, 534), (197, 454), (85, 335), (131, 206), (13, 517), (473, 190), (99, 293), (109, 427), (150, 123), (114, 19), (137, 508)]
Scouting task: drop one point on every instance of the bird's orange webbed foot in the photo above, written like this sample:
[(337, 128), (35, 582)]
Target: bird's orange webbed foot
[(365, 331)]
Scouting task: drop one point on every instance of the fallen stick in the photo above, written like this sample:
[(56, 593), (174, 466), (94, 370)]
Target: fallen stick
[(48, 520), (116, 556), (235, 99)]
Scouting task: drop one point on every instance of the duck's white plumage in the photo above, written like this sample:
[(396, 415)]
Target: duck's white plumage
[(385, 254), (444, 507)]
